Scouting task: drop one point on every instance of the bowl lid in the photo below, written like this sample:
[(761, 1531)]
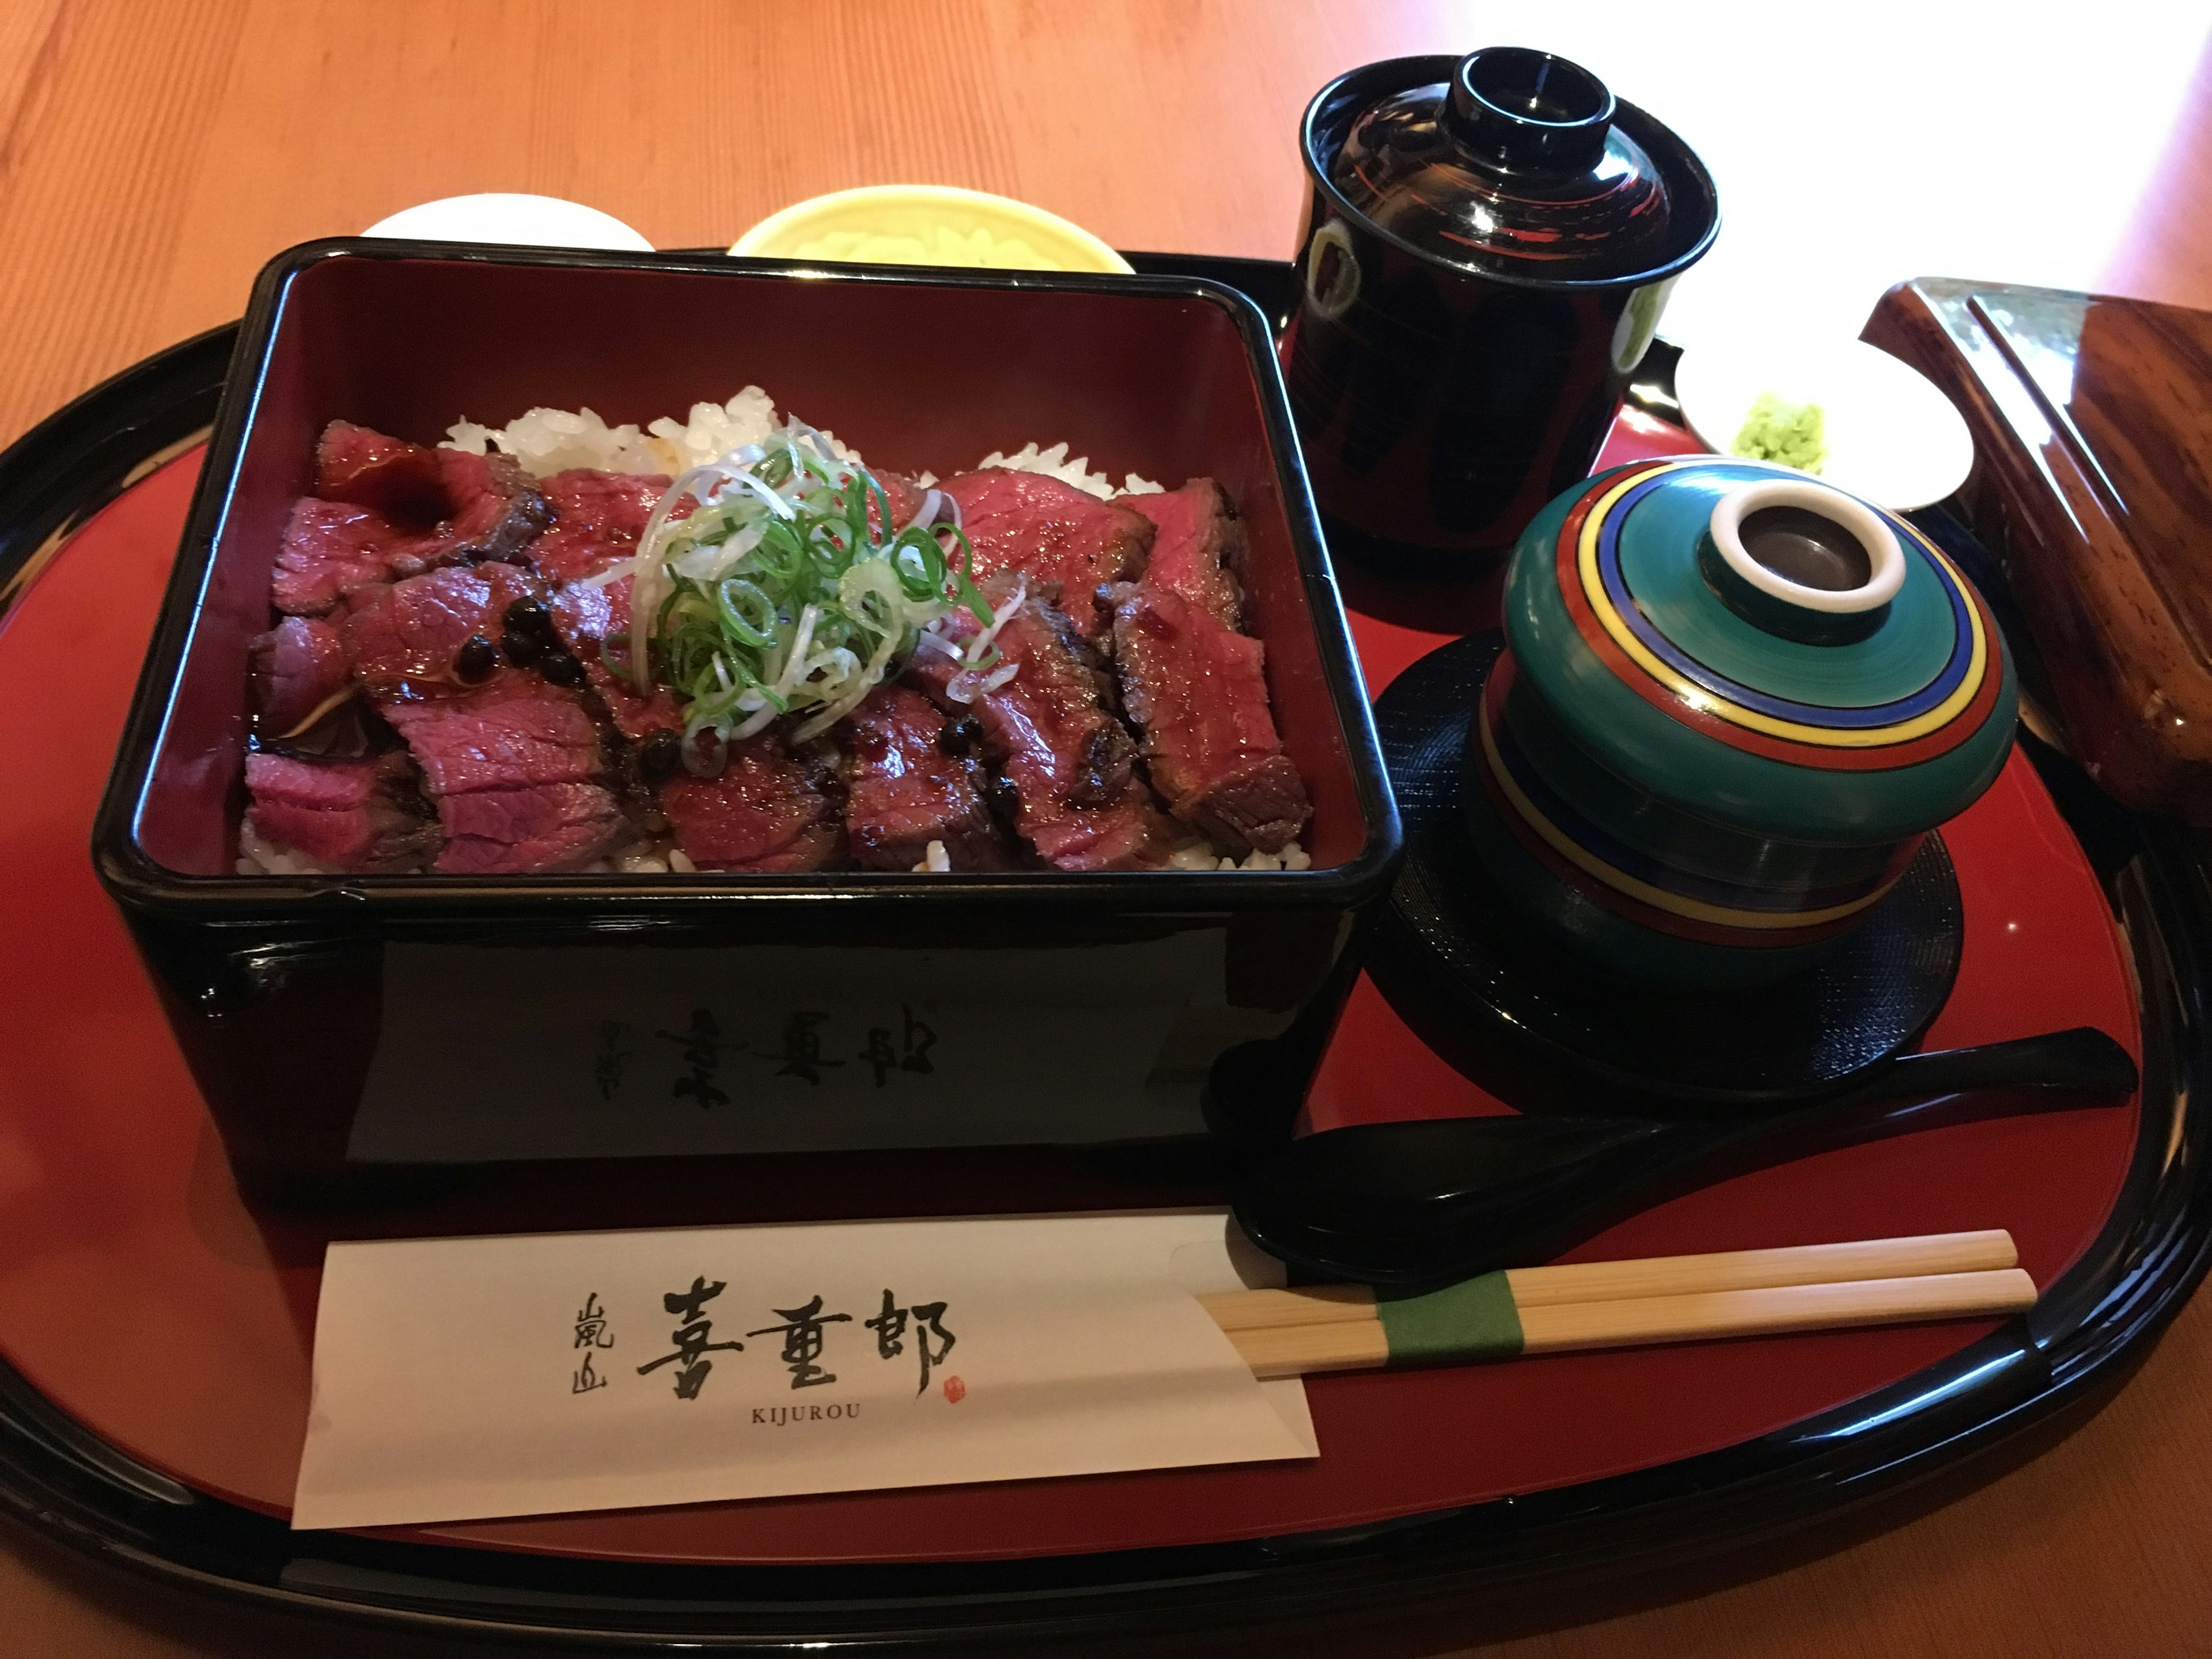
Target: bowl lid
[(1763, 648), (1515, 166)]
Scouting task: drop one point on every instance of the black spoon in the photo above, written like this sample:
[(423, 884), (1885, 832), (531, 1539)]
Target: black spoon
[(1427, 1202)]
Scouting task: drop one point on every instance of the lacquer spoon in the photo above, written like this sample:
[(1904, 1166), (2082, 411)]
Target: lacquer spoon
[(1427, 1201)]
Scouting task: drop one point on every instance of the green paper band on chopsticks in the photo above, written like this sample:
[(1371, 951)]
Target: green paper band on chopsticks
[(1475, 1320), (1604, 1304)]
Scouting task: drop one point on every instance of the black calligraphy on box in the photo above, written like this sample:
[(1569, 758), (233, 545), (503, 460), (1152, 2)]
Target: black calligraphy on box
[(928, 1320), (803, 1331), (691, 1338), (702, 1043)]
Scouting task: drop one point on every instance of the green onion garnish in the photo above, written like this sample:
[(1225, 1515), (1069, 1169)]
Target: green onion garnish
[(778, 596)]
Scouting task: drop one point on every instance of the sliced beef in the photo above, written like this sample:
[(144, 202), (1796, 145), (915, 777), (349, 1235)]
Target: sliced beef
[(1054, 532), (296, 668), (554, 826), (358, 815), (443, 629), (1128, 833), (1046, 729), (332, 548), (1198, 692), (768, 810), (516, 769), (497, 511), (910, 784), (402, 481), (328, 549), (585, 618), (1198, 548), (596, 520)]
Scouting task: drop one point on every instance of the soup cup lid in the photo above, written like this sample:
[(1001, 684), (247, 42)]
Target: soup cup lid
[(1760, 647), (1513, 165)]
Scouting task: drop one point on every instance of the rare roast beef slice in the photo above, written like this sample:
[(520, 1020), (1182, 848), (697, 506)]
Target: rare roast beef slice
[(584, 616), (1198, 548), (1199, 693), (436, 632), (554, 826), (513, 737), (907, 787), (297, 668), (497, 511), (768, 810), (328, 549), (1053, 532), (514, 731), (332, 548), (400, 480), (596, 520), (357, 815), (1046, 728), (1067, 757), (466, 506), (1128, 833)]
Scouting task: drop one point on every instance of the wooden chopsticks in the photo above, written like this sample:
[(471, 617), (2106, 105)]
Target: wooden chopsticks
[(1603, 1305)]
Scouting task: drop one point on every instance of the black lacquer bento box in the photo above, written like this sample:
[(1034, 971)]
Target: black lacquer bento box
[(343, 1025)]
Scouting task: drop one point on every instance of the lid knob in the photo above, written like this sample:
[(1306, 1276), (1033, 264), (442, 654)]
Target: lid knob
[(1518, 110), (1802, 560)]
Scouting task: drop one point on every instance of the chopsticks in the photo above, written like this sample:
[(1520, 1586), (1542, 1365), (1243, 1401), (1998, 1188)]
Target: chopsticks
[(1605, 1304)]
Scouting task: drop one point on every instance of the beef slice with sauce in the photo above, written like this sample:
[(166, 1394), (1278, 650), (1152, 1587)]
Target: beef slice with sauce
[(365, 815), (1199, 548), (597, 518), (1048, 730), (1052, 532), (1198, 692), (485, 508), (516, 769), (295, 669), (770, 811), (418, 632), (905, 788), (585, 616), (368, 468)]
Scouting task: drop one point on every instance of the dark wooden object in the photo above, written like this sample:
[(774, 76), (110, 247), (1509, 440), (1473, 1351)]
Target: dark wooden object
[(2093, 484)]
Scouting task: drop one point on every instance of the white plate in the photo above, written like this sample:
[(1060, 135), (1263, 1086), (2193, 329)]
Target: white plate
[(1892, 438), (522, 221)]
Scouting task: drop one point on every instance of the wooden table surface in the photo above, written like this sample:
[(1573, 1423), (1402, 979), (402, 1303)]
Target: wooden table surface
[(153, 152)]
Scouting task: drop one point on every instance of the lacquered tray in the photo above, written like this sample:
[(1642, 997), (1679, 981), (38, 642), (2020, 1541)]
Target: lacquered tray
[(157, 1333)]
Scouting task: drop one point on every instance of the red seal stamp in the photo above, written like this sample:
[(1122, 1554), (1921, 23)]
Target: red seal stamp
[(955, 1390)]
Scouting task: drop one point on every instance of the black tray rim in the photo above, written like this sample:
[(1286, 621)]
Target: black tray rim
[(1960, 1421)]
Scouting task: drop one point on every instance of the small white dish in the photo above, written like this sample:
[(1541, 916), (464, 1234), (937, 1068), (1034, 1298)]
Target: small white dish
[(1893, 439), (513, 221)]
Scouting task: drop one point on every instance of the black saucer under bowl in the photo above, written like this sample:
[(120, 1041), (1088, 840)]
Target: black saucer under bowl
[(1458, 964)]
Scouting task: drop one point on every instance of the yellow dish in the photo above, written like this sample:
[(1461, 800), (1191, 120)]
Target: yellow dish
[(927, 225)]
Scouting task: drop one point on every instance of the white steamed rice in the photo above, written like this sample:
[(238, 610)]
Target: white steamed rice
[(548, 441)]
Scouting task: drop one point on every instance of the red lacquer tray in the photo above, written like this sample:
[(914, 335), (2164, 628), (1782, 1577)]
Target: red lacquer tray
[(160, 1331)]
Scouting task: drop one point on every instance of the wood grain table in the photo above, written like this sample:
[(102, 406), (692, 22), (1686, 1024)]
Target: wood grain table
[(154, 153)]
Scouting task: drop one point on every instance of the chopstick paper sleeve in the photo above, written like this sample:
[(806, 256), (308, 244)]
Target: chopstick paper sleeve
[(1474, 1319)]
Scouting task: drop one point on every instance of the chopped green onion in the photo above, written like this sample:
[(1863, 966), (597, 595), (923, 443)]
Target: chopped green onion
[(778, 595)]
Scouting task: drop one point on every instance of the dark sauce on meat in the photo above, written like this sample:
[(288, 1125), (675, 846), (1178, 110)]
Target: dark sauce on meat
[(660, 755)]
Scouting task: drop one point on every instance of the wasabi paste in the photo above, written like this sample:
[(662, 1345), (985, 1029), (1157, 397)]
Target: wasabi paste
[(1792, 434)]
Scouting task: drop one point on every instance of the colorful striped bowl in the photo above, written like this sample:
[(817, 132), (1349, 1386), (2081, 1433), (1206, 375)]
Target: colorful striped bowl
[(1733, 700)]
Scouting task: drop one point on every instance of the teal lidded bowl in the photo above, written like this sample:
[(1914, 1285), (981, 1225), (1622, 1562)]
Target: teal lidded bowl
[(1733, 700)]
